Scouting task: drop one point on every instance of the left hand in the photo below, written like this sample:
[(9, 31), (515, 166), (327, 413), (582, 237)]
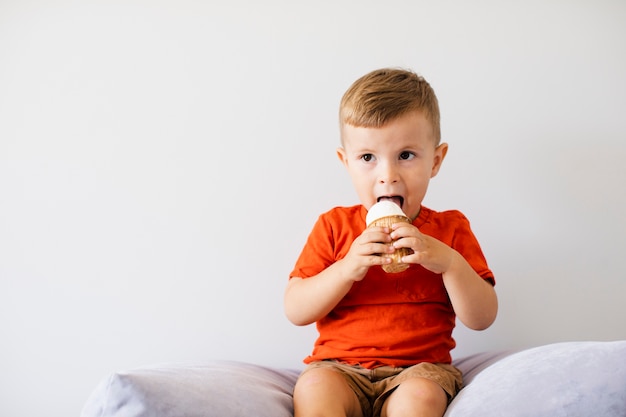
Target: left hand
[(429, 252)]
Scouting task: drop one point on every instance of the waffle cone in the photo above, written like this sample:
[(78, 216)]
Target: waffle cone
[(396, 265)]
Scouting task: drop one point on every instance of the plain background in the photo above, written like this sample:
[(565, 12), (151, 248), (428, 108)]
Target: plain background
[(162, 163)]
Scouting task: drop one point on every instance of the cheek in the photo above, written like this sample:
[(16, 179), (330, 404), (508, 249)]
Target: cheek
[(359, 179), (418, 178), (362, 180), (423, 171), (358, 171)]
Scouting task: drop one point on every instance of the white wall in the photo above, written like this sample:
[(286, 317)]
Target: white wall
[(161, 164)]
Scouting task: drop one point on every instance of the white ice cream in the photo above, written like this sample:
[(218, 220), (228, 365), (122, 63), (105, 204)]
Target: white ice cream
[(383, 208)]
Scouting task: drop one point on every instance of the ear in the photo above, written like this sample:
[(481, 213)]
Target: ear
[(440, 154), (343, 156)]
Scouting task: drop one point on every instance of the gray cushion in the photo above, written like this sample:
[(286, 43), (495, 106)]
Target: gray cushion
[(574, 379), (565, 379), (219, 389)]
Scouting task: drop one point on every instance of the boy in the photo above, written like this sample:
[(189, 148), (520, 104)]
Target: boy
[(385, 339)]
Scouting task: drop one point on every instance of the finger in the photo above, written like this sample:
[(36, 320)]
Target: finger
[(400, 230), (412, 243), (375, 249), (379, 260), (375, 236), (414, 258)]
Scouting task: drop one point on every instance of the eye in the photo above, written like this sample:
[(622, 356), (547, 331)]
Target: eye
[(406, 155), (368, 157)]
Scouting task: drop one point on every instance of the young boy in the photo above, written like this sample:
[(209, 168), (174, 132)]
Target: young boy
[(385, 338)]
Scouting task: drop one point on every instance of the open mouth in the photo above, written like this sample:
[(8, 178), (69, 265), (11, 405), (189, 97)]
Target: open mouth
[(393, 198)]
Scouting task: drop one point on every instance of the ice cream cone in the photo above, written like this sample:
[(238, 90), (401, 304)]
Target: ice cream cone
[(384, 214)]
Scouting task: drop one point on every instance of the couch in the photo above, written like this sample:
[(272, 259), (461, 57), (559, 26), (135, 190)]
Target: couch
[(586, 379)]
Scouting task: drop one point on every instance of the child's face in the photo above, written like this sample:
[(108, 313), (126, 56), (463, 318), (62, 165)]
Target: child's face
[(393, 162)]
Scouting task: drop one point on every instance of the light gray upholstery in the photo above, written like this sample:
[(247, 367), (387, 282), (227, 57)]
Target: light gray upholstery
[(574, 379)]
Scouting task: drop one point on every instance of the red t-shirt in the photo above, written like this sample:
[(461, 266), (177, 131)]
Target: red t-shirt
[(396, 319)]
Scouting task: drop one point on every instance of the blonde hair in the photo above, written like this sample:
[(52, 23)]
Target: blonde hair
[(386, 94)]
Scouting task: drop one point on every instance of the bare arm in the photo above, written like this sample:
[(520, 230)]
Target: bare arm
[(474, 299), (308, 300)]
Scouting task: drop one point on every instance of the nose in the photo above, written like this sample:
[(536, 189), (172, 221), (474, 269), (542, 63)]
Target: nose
[(388, 174)]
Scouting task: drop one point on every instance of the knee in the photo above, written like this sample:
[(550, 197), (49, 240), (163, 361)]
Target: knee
[(324, 392), (416, 396), (316, 379)]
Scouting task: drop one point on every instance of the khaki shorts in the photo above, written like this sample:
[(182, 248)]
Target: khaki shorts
[(373, 386)]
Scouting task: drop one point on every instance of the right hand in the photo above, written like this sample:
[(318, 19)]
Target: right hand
[(367, 250)]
